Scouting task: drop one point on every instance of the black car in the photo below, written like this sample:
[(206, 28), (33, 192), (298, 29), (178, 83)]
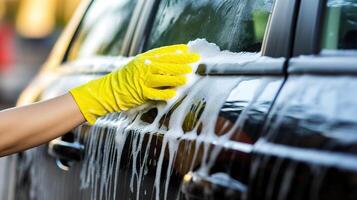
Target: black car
[(281, 126)]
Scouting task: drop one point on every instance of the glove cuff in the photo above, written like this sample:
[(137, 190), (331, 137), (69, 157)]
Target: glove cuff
[(78, 98)]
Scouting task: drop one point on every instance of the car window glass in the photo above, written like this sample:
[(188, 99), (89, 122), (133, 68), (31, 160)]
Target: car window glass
[(340, 27), (235, 25), (103, 29)]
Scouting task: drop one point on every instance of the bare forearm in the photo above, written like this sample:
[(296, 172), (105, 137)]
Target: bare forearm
[(29, 126), (153, 75)]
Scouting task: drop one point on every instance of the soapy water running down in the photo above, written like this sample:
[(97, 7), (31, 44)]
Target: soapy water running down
[(133, 154), (101, 170)]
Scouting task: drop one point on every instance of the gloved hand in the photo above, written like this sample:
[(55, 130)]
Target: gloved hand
[(149, 76)]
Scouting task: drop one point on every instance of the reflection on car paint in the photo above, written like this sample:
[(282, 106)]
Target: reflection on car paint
[(132, 127), (310, 142)]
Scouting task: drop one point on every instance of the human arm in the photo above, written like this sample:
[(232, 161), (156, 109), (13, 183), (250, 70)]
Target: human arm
[(149, 76), (28, 126)]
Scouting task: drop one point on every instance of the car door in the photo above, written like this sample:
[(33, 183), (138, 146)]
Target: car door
[(200, 147), (99, 44), (7, 174), (309, 146)]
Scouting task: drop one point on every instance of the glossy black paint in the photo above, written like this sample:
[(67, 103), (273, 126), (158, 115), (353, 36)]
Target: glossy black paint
[(309, 148), (232, 164)]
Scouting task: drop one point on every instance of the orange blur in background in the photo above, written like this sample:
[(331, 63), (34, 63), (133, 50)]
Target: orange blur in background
[(28, 30)]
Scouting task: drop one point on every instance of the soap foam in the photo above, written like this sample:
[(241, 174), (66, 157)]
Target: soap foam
[(211, 90)]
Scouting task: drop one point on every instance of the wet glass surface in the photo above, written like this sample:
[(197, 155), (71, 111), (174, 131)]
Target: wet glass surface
[(340, 28), (235, 25), (103, 29)]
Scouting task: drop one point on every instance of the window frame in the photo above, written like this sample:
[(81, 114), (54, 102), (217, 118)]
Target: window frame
[(309, 27), (76, 32), (278, 39), (128, 35), (143, 26)]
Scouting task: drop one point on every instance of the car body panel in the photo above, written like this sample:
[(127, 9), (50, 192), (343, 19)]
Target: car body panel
[(145, 164), (309, 150), (155, 162)]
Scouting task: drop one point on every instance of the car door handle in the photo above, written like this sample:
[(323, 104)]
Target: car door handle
[(215, 186), (65, 152)]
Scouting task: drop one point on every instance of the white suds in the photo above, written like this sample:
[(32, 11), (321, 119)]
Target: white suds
[(211, 91)]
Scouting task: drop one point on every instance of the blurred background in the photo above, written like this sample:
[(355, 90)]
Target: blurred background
[(28, 30)]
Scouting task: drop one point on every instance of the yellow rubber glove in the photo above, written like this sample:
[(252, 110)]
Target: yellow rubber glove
[(149, 76)]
